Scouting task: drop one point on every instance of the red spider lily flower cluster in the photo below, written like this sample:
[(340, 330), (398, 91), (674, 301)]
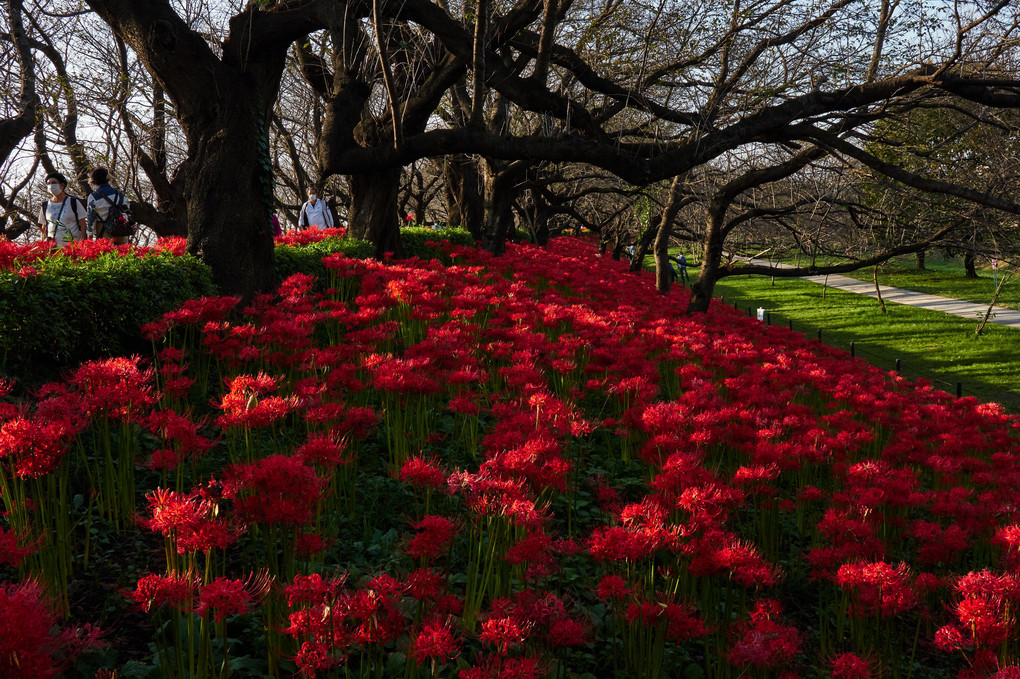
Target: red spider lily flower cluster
[(20, 257), (33, 644), (567, 461)]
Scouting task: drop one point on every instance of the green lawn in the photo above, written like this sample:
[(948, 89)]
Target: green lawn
[(932, 345)]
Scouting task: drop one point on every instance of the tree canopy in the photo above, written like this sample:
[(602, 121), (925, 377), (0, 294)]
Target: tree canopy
[(718, 117)]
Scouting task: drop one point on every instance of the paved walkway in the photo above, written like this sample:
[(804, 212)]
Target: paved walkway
[(956, 307)]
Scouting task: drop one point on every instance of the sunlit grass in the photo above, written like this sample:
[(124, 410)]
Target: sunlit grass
[(930, 344)]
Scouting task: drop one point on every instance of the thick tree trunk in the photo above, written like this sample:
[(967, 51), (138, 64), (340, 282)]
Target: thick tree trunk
[(229, 225), (463, 198), (919, 260), (969, 265), (711, 260), (372, 215), (642, 247), (498, 203), (663, 273), (539, 214)]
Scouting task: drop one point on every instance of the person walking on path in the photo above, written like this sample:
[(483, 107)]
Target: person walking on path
[(681, 263), (315, 213), (101, 201), (62, 217)]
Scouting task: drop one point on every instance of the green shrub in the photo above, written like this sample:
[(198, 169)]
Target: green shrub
[(307, 259), (77, 311), (413, 239), (523, 235)]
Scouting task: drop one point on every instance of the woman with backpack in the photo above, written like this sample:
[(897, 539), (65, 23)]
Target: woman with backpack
[(62, 217), (107, 209)]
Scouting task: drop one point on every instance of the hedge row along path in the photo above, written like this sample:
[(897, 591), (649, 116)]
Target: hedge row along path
[(956, 307)]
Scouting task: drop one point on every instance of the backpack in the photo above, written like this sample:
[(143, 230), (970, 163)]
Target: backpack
[(118, 222)]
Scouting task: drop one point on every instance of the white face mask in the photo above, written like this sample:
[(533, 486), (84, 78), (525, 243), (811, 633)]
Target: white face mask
[(312, 196), (54, 188)]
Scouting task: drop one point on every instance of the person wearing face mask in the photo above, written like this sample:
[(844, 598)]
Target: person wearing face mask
[(62, 217), (315, 213)]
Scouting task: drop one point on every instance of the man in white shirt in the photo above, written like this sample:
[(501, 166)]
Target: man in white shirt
[(62, 217), (315, 213)]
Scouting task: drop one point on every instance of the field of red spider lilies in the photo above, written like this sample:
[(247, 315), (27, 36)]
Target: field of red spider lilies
[(501, 468)]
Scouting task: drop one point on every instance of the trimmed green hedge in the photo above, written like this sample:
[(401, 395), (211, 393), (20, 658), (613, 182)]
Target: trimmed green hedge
[(74, 311), (307, 259), (413, 239), (77, 311)]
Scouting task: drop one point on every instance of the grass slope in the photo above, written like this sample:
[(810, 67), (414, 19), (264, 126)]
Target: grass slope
[(931, 345)]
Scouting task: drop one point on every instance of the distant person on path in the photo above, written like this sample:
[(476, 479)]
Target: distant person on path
[(62, 217), (277, 231), (681, 263), (315, 213), (102, 199)]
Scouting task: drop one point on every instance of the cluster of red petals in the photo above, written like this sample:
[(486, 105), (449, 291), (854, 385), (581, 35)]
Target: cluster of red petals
[(729, 431)]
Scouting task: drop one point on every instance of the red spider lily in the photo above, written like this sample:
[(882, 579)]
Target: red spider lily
[(613, 587), (248, 402), (274, 490), (341, 420), (644, 613), (176, 591), (535, 550), (312, 589), (60, 405), (504, 631), (490, 667), (938, 544), (745, 565), (763, 641), (11, 553), (114, 386), (307, 545), (323, 452), (293, 238), (880, 589), (436, 534), (32, 646), (565, 632), (985, 611), (224, 596), (423, 473), (193, 312), (682, 623), (489, 496), (397, 375), (615, 543), (190, 520), (30, 449), (315, 657), (181, 433), (852, 666), (435, 642), (14, 256), (423, 584)]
